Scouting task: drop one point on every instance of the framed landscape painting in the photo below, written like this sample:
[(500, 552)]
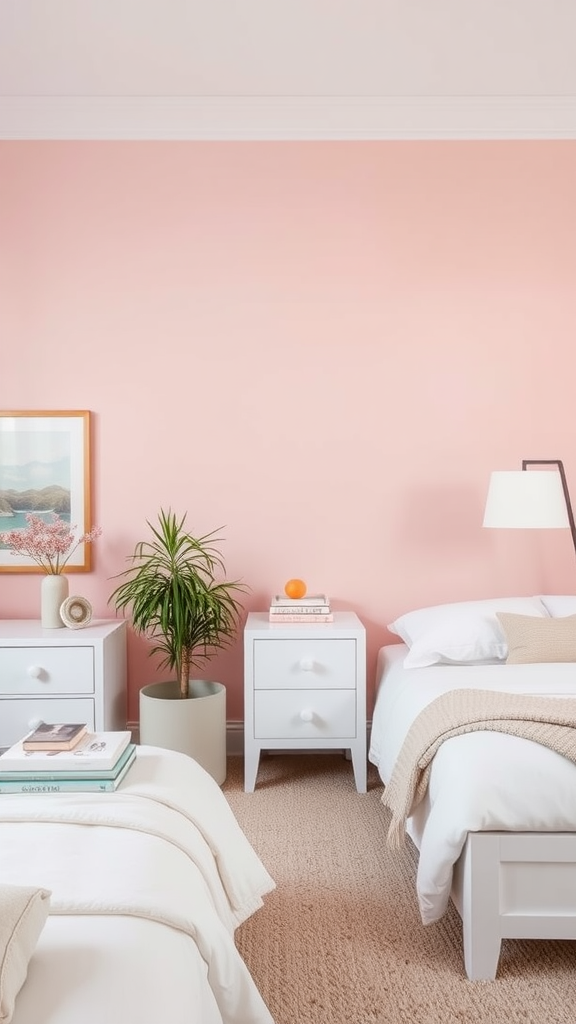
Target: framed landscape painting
[(45, 469)]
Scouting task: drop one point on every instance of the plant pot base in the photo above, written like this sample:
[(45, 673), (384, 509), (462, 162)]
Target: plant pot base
[(195, 726)]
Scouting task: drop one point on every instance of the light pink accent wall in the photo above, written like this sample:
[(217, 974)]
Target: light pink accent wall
[(323, 347)]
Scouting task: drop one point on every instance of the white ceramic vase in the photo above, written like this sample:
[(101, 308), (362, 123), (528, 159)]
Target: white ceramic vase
[(53, 591)]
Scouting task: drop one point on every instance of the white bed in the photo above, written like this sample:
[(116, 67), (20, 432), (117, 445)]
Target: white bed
[(497, 828), (148, 885)]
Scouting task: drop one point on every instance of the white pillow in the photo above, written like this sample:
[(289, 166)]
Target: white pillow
[(23, 913), (559, 605), (464, 632)]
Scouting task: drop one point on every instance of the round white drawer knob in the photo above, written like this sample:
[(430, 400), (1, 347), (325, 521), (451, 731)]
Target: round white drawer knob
[(35, 671), (307, 664), (306, 715)]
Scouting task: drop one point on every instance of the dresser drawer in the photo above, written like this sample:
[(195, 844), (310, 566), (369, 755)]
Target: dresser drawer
[(307, 664), (299, 714), (17, 717), (46, 670)]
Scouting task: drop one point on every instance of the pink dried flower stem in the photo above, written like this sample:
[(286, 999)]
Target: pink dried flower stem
[(49, 544)]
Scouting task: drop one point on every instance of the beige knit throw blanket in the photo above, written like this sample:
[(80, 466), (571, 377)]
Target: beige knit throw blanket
[(550, 721)]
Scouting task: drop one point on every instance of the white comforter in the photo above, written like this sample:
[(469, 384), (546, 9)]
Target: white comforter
[(479, 782), (163, 863)]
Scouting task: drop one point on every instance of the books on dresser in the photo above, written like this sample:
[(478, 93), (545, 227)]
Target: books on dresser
[(64, 736), (319, 609), (315, 608), (281, 620), (69, 782), (311, 601), (97, 751)]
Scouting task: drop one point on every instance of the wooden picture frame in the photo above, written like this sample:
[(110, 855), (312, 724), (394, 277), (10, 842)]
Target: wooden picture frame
[(45, 468)]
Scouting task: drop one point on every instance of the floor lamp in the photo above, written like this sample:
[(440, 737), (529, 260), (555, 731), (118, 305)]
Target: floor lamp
[(523, 500)]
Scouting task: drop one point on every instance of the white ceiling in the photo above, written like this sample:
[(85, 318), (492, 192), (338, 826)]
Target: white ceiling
[(287, 69)]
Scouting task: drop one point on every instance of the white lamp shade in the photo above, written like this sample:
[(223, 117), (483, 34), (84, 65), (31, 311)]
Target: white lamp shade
[(526, 499)]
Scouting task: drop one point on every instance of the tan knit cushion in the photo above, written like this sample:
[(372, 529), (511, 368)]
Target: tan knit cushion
[(531, 639), (23, 913)]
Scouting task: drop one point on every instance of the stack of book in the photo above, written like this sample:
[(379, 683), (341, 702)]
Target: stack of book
[(312, 608), (95, 762)]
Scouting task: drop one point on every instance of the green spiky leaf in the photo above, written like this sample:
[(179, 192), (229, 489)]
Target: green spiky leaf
[(173, 592)]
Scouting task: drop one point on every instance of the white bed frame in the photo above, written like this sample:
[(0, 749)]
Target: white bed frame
[(513, 885)]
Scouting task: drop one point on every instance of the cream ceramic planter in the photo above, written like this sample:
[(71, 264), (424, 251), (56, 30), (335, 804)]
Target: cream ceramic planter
[(196, 726)]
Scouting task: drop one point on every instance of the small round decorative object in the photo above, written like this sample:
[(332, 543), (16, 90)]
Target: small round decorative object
[(295, 588), (76, 612)]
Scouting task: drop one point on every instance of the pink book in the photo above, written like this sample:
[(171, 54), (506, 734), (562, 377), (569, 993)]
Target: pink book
[(281, 619)]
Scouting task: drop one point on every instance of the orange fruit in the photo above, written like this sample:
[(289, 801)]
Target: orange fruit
[(295, 588)]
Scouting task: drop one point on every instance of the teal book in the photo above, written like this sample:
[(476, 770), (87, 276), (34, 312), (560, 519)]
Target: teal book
[(79, 784), (38, 774)]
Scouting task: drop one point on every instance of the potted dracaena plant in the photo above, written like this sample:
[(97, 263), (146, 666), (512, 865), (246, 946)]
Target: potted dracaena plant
[(177, 599)]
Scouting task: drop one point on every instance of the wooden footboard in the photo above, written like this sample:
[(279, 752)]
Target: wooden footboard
[(513, 885)]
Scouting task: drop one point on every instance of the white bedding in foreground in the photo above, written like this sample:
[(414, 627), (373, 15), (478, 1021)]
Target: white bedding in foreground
[(482, 781), (148, 884)]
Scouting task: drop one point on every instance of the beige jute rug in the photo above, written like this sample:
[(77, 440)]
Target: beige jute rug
[(340, 940)]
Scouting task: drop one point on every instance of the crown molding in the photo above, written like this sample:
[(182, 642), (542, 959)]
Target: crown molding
[(250, 118)]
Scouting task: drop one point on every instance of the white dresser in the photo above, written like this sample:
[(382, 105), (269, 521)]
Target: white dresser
[(304, 689), (61, 675)]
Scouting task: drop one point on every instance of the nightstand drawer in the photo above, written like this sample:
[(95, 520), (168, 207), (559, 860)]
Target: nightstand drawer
[(318, 714), (20, 716), (46, 670), (305, 664)]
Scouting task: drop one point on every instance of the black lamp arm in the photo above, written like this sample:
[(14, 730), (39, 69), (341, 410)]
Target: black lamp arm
[(557, 462)]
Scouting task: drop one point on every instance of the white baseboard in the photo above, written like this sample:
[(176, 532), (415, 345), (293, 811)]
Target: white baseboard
[(234, 738)]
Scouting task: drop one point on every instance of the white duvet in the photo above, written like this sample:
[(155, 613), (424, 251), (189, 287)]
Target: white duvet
[(479, 782), (148, 885)]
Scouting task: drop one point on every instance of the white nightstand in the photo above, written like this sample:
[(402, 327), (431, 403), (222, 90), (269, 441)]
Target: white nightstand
[(61, 675), (304, 689)]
